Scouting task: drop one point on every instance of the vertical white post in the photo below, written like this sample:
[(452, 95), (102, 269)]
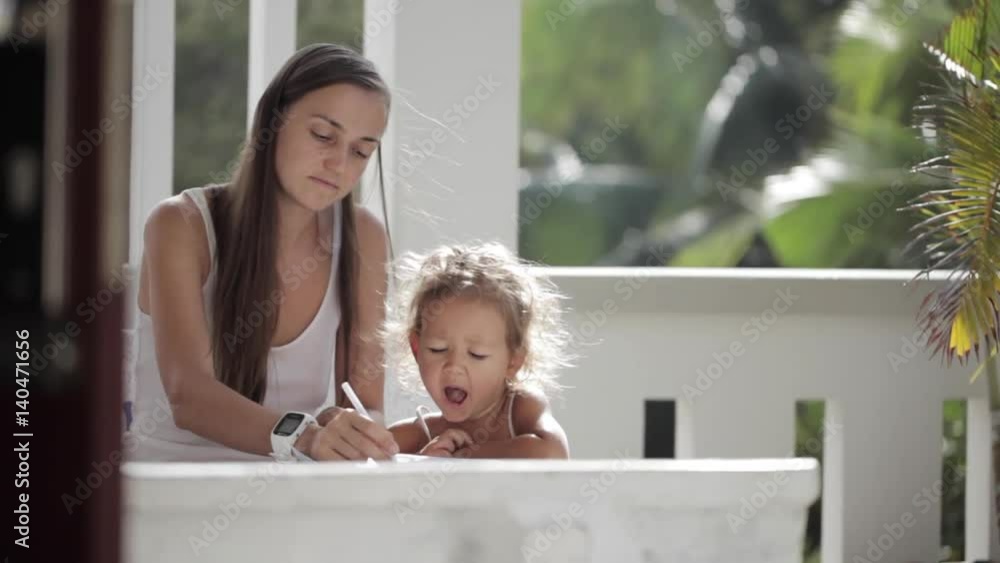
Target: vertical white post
[(273, 26), (980, 527), (453, 148), (152, 104), (379, 38), (882, 477)]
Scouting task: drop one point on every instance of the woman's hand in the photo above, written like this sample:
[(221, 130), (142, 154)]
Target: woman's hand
[(447, 443), (347, 436)]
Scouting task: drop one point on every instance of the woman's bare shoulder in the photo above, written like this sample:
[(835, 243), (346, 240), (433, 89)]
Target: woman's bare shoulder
[(174, 229), (176, 216)]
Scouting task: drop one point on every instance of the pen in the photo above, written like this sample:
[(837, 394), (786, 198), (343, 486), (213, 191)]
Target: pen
[(354, 400)]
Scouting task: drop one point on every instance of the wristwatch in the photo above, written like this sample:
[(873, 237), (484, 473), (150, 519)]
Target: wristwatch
[(286, 432)]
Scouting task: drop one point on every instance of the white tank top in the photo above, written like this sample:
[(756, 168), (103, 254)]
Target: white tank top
[(300, 374)]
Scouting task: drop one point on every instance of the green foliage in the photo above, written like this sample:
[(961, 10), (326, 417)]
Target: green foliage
[(210, 96), (211, 78), (960, 223)]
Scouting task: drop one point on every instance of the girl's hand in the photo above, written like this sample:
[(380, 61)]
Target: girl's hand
[(348, 436), (447, 443)]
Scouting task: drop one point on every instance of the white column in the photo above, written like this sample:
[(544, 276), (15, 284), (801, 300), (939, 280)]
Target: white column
[(272, 40), (152, 115), (452, 151), (882, 477), (980, 527)]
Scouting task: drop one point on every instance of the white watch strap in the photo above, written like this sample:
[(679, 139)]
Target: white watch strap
[(299, 456), (283, 447)]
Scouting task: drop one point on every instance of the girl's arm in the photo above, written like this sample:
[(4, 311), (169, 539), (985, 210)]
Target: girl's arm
[(539, 434), (409, 436), (174, 247)]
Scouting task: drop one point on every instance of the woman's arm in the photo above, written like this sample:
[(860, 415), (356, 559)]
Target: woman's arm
[(173, 273), (200, 403), (539, 434), (367, 374)]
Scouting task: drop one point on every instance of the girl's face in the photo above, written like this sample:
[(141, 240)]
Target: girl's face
[(326, 142), (463, 356)]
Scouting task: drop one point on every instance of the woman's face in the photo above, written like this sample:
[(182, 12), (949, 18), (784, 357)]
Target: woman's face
[(326, 142)]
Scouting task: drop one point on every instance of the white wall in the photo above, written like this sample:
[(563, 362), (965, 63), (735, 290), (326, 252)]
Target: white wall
[(621, 510)]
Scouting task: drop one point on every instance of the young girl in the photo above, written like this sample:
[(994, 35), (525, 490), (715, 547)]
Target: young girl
[(486, 337)]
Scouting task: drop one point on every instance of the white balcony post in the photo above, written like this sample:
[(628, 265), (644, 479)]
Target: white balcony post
[(451, 153), (152, 149), (980, 524), (272, 41)]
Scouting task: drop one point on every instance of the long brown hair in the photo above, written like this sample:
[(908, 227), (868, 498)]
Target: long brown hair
[(245, 215)]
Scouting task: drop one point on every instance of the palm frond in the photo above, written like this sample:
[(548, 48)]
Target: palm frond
[(961, 226), (968, 37)]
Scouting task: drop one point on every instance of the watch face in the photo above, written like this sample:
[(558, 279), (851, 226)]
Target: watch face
[(288, 424)]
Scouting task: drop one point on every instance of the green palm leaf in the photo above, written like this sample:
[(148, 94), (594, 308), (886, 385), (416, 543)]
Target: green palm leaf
[(961, 222), (967, 40)]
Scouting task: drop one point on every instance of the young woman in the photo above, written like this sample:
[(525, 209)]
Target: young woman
[(259, 297)]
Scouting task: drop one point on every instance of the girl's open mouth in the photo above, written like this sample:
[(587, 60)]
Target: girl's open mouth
[(455, 395)]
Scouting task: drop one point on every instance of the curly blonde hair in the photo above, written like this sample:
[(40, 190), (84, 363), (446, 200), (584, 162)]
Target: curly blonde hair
[(530, 304)]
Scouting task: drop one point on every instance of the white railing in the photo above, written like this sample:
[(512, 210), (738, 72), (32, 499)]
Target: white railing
[(837, 336), (621, 510)]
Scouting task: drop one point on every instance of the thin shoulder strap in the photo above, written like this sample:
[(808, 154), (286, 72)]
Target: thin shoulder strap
[(197, 195), (422, 412)]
